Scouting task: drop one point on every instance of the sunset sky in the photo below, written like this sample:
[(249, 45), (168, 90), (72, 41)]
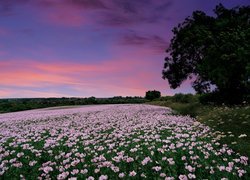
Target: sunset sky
[(82, 48)]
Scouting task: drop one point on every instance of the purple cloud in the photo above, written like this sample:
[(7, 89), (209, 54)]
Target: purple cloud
[(123, 13), (155, 42)]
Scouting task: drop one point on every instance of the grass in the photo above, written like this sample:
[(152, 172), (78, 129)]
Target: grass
[(230, 121), (21, 104)]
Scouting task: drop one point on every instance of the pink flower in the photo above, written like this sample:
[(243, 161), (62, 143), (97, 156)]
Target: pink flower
[(169, 178), (90, 178), (62, 175), (229, 169), (132, 173), (115, 168), (191, 176), (146, 160), (190, 168), (183, 158), (171, 161), (97, 170), (84, 171), (241, 172), (75, 171), (121, 175), (156, 168), (20, 154), (47, 169), (103, 177), (222, 168), (162, 175), (244, 160), (183, 177), (32, 163), (72, 178), (130, 159)]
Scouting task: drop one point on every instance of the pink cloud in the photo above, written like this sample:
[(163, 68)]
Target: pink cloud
[(110, 76)]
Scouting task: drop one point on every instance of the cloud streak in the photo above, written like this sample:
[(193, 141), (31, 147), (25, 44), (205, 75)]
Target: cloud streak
[(153, 42), (90, 78)]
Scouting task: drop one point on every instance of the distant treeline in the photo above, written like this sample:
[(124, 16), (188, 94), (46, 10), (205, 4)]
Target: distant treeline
[(19, 104)]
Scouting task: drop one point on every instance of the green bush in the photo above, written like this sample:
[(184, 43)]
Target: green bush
[(184, 98), (151, 95)]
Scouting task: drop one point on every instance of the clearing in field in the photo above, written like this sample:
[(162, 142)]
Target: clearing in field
[(112, 142)]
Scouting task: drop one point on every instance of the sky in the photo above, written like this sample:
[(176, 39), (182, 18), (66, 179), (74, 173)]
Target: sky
[(83, 48)]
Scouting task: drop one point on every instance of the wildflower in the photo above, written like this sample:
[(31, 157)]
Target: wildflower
[(190, 168), (75, 171), (97, 170), (242, 136), (157, 168), (90, 178), (244, 160), (47, 169), (164, 158), (103, 177), (162, 175), (32, 163), (143, 175), (121, 175), (84, 171), (115, 169), (222, 168), (20, 154), (171, 161), (72, 178), (183, 177), (132, 173), (146, 160), (169, 178), (130, 159), (241, 172), (191, 176), (62, 175)]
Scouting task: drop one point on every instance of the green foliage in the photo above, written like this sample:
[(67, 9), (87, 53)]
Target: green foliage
[(215, 50), (211, 98), (184, 104), (184, 98), (230, 122), (12, 105), (151, 95)]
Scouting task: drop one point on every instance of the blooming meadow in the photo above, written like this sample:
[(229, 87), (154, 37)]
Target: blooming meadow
[(113, 142)]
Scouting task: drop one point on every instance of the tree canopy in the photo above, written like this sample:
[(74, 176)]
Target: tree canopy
[(215, 50), (151, 95)]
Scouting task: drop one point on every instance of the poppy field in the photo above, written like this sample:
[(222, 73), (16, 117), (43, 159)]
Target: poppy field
[(113, 142)]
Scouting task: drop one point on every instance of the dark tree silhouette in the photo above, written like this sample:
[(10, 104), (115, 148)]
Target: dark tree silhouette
[(214, 50), (151, 95)]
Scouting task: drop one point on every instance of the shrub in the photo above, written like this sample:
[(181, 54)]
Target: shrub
[(184, 98), (151, 95)]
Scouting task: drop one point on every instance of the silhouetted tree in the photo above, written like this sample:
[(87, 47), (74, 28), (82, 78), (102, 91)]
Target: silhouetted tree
[(151, 95), (214, 50)]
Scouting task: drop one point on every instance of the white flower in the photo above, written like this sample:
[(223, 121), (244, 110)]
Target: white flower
[(242, 135)]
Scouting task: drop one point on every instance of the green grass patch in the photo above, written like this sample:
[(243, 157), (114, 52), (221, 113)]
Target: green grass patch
[(233, 122)]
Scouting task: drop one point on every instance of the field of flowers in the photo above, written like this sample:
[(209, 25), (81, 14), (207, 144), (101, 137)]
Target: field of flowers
[(113, 142)]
